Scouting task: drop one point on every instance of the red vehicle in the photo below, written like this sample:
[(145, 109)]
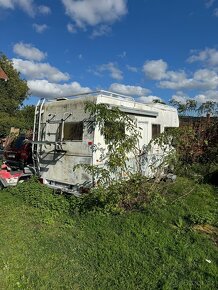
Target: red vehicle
[(18, 150), (17, 166)]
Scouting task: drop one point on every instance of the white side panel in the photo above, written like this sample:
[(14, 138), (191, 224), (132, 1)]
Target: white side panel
[(57, 159)]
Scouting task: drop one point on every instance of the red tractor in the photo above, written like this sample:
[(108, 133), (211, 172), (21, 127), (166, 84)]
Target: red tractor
[(17, 165)]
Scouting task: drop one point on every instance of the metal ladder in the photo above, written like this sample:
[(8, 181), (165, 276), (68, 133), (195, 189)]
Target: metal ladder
[(37, 134)]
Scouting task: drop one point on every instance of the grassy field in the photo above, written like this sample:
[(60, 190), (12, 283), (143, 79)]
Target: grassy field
[(173, 246)]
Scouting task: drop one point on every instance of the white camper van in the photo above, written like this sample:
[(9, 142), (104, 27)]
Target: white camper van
[(62, 140)]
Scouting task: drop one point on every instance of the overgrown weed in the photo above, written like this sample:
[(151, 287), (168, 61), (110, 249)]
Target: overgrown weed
[(135, 194)]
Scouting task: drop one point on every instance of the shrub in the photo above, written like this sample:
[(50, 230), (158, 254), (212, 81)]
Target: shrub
[(120, 196), (40, 196)]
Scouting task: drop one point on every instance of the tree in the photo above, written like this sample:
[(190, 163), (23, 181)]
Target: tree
[(13, 91), (26, 116), (22, 119), (119, 130), (183, 108), (191, 105), (208, 107)]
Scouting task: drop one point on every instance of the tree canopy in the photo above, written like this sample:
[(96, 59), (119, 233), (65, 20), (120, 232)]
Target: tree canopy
[(191, 107), (13, 92)]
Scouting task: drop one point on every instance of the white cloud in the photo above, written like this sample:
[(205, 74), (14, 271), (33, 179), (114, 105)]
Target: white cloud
[(71, 28), (28, 51), (180, 97), (176, 81), (132, 68), (113, 70), (148, 99), (176, 76), (43, 88), (128, 90), (155, 69), (40, 28), (100, 31), (94, 12), (202, 79), (33, 70), (211, 95), (7, 4), (208, 56), (27, 6), (42, 9), (206, 75), (99, 14), (202, 97)]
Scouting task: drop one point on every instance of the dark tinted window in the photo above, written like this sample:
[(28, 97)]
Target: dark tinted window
[(73, 131), (155, 130)]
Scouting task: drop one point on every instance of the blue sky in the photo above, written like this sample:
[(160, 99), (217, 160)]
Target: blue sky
[(144, 48)]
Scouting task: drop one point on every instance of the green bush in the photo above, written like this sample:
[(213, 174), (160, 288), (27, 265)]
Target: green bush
[(135, 194), (119, 197), (40, 196)]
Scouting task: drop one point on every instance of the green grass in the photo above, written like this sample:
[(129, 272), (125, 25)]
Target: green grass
[(41, 248)]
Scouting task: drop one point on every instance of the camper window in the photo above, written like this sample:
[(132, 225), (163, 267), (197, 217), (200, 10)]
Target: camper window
[(155, 130), (73, 131)]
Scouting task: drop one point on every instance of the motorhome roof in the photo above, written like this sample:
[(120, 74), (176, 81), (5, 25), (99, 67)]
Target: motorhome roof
[(95, 93), (113, 96)]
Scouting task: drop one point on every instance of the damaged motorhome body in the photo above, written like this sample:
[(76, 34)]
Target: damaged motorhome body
[(61, 138)]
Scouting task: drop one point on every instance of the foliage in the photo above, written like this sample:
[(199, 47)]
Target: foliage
[(13, 91), (195, 143), (180, 147), (208, 107), (183, 108), (25, 115), (40, 196), (22, 118), (12, 94), (196, 139), (119, 196), (121, 138), (191, 107)]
